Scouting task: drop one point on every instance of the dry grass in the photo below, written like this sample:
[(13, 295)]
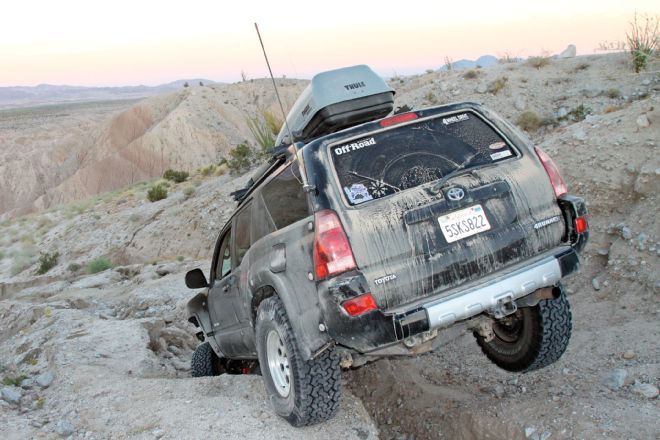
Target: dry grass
[(497, 85), (529, 121), (538, 62)]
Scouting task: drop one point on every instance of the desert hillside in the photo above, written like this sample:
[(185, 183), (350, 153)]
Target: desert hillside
[(98, 346), (57, 154)]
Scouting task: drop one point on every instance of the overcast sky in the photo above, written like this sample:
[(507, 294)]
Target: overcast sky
[(128, 42)]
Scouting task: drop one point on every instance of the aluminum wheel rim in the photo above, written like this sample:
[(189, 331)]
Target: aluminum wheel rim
[(278, 363)]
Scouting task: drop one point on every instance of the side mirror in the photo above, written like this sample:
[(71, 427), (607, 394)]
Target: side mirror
[(195, 279)]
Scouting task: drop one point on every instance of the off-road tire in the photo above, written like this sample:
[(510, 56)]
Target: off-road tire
[(542, 338), (314, 391), (205, 362)]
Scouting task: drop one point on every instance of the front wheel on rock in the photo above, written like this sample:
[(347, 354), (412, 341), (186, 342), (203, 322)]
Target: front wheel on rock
[(532, 337), (302, 392)]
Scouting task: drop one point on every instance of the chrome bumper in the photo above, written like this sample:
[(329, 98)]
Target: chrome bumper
[(468, 303)]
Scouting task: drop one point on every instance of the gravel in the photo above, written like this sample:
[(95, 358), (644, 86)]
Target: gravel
[(615, 379)]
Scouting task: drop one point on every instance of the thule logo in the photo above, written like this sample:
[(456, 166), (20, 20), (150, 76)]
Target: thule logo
[(354, 86)]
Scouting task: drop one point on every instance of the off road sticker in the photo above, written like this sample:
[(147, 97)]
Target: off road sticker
[(497, 145), (353, 146), (501, 154), (379, 188), (357, 193), (453, 119)]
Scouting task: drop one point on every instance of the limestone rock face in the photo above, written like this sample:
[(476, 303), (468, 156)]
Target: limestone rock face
[(569, 52)]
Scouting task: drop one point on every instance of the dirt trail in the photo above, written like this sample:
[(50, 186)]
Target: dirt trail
[(119, 356)]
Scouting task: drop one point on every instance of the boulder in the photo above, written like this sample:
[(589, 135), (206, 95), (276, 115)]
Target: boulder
[(569, 52)]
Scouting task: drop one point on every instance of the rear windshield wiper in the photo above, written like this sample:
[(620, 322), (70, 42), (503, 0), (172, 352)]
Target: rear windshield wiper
[(437, 186)]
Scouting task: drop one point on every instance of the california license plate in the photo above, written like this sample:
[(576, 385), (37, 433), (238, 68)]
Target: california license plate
[(463, 223)]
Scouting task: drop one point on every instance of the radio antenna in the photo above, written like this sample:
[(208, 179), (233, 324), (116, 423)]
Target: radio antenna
[(286, 123)]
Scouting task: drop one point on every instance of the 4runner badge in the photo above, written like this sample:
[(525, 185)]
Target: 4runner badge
[(385, 279)]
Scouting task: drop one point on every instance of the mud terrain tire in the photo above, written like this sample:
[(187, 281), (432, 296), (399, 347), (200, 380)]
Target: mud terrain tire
[(532, 338), (308, 391), (205, 362)]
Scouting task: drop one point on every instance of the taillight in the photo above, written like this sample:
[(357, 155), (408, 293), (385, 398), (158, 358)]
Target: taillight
[(581, 225), (332, 252), (398, 119), (360, 305), (558, 184)]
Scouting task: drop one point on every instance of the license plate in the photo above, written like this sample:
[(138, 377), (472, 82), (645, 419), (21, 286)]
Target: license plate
[(463, 223)]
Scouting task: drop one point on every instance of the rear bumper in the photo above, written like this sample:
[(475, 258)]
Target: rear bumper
[(468, 303), (377, 329)]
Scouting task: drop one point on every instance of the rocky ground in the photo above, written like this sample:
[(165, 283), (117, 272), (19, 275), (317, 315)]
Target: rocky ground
[(106, 355)]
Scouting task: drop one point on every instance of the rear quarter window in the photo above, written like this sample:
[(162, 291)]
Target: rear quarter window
[(404, 157), (280, 202)]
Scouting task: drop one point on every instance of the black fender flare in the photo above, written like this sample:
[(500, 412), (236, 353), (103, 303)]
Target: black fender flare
[(198, 315), (303, 310)]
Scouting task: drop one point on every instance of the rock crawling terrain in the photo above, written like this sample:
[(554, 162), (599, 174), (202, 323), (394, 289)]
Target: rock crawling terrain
[(107, 355)]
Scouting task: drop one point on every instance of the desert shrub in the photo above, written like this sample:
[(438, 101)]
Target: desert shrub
[(98, 265), (180, 258), (497, 85), (529, 121), (205, 171), (73, 267), (449, 63), (47, 261), (643, 39), (264, 128), (470, 74), (240, 158), (175, 176), (538, 62), (507, 58), (431, 98), (273, 122), (612, 109), (13, 380), (188, 191), (579, 113), (613, 93), (581, 66), (221, 169), (157, 192)]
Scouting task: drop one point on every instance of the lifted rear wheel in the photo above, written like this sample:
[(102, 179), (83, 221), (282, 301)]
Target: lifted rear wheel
[(302, 392), (532, 337)]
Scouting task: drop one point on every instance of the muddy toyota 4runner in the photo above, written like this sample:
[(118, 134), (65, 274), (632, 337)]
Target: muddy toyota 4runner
[(368, 233)]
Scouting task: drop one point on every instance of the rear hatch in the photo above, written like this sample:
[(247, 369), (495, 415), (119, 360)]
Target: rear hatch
[(440, 201)]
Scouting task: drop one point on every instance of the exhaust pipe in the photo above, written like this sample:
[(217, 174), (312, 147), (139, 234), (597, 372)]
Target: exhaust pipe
[(533, 298)]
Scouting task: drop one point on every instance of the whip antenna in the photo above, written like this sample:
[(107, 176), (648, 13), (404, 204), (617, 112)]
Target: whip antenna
[(286, 123)]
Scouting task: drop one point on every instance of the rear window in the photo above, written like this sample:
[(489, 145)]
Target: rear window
[(408, 156)]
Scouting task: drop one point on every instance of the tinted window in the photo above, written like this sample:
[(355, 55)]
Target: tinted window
[(242, 234), (262, 223), (284, 198), (223, 265), (408, 156)]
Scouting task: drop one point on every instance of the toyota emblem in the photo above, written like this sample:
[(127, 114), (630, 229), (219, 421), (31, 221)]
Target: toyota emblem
[(455, 194)]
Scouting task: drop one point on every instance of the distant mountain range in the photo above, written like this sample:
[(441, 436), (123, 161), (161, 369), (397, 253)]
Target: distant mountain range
[(482, 61), (20, 96)]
